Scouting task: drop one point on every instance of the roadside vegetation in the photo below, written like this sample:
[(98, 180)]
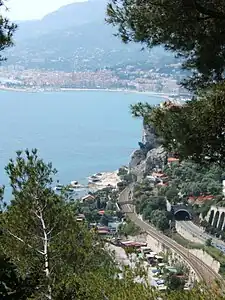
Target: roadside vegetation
[(184, 242), (197, 186), (193, 185), (189, 179), (128, 228), (208, 248), (151, 206), (212, 230), (126, 177)]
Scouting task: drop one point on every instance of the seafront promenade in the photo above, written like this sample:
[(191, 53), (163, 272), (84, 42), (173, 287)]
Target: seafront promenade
[(39, 89)]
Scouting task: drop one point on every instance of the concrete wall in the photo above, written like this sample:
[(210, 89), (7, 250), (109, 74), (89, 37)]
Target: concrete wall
[(187, 235), (204, 256), (209, 260), (155, 245)]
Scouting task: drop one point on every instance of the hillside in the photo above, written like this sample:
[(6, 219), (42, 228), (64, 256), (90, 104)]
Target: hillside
[(75, 37), (74, 14)]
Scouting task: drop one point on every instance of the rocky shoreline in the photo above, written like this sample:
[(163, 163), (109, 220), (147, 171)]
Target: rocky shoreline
[(149, 156), (104, 179)]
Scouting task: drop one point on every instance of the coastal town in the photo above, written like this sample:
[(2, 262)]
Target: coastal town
[(128, 78), (102, 211)]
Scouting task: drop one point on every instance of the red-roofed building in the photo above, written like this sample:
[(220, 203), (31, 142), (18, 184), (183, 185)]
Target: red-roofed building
[(159, 175), (172, 160), (200, 199), (101, 212), (133, 244), (103, 230), (162, 184), (88, 198)]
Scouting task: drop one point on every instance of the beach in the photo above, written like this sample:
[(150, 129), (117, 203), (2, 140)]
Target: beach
[(40, 90), (151, 93), (105, 179)]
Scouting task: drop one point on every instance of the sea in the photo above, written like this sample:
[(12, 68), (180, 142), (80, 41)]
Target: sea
[(80, 132)]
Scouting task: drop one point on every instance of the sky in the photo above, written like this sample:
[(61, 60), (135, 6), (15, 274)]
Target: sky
[(33, 9)]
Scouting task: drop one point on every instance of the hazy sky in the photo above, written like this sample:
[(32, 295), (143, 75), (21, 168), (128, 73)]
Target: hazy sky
[(33, 9)]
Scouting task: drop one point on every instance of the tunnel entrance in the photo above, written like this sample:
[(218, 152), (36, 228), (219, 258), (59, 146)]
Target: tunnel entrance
[(182, 215)]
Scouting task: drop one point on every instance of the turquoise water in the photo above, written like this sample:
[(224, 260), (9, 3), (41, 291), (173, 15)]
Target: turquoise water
[(80, 132)]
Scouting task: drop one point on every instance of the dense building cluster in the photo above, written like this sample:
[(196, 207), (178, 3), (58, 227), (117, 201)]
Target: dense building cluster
[(127, 78)]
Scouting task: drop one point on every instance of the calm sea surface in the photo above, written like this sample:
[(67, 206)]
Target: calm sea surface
[(80, 132)]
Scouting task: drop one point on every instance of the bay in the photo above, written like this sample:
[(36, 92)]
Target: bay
[(80, 132)]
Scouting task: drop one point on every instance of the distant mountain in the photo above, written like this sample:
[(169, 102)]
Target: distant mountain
[(75, 37), (71, 15)]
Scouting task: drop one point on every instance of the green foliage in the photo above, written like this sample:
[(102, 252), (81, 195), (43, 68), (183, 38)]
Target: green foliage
[(40, 231), (192, 179), (175, 283), (121, 185), (195, 129), (217, 255), (159, 219), (205, 209), (172, 194), (104, 220), (105, 199), (142, 190), (128, 228), (141, 110), (7, 30), (208, 242), (186, 243), (12, 285), (52, 256), (150, 205), (128, 178), (194, 30), (122, 171), (90, 215)]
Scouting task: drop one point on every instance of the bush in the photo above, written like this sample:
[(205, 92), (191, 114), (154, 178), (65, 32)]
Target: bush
[(128, 228)]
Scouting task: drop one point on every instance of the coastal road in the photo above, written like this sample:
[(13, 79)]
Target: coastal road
[(202, 270), (201, 235)]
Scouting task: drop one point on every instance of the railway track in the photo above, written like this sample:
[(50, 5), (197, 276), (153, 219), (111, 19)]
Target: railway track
[(201, 269)]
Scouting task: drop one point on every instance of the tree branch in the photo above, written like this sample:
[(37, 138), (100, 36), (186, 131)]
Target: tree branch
[(22, 241), (46, 257)]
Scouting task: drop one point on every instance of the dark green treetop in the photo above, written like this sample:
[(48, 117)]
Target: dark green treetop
[(195, 130), (39, 231), (193, 29), (7, 30)]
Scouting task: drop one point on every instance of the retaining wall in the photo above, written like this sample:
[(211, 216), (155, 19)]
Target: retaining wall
[(201, 254), (188, 235), (208, 259)]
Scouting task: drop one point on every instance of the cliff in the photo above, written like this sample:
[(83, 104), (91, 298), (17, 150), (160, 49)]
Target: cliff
[(149, 156)]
